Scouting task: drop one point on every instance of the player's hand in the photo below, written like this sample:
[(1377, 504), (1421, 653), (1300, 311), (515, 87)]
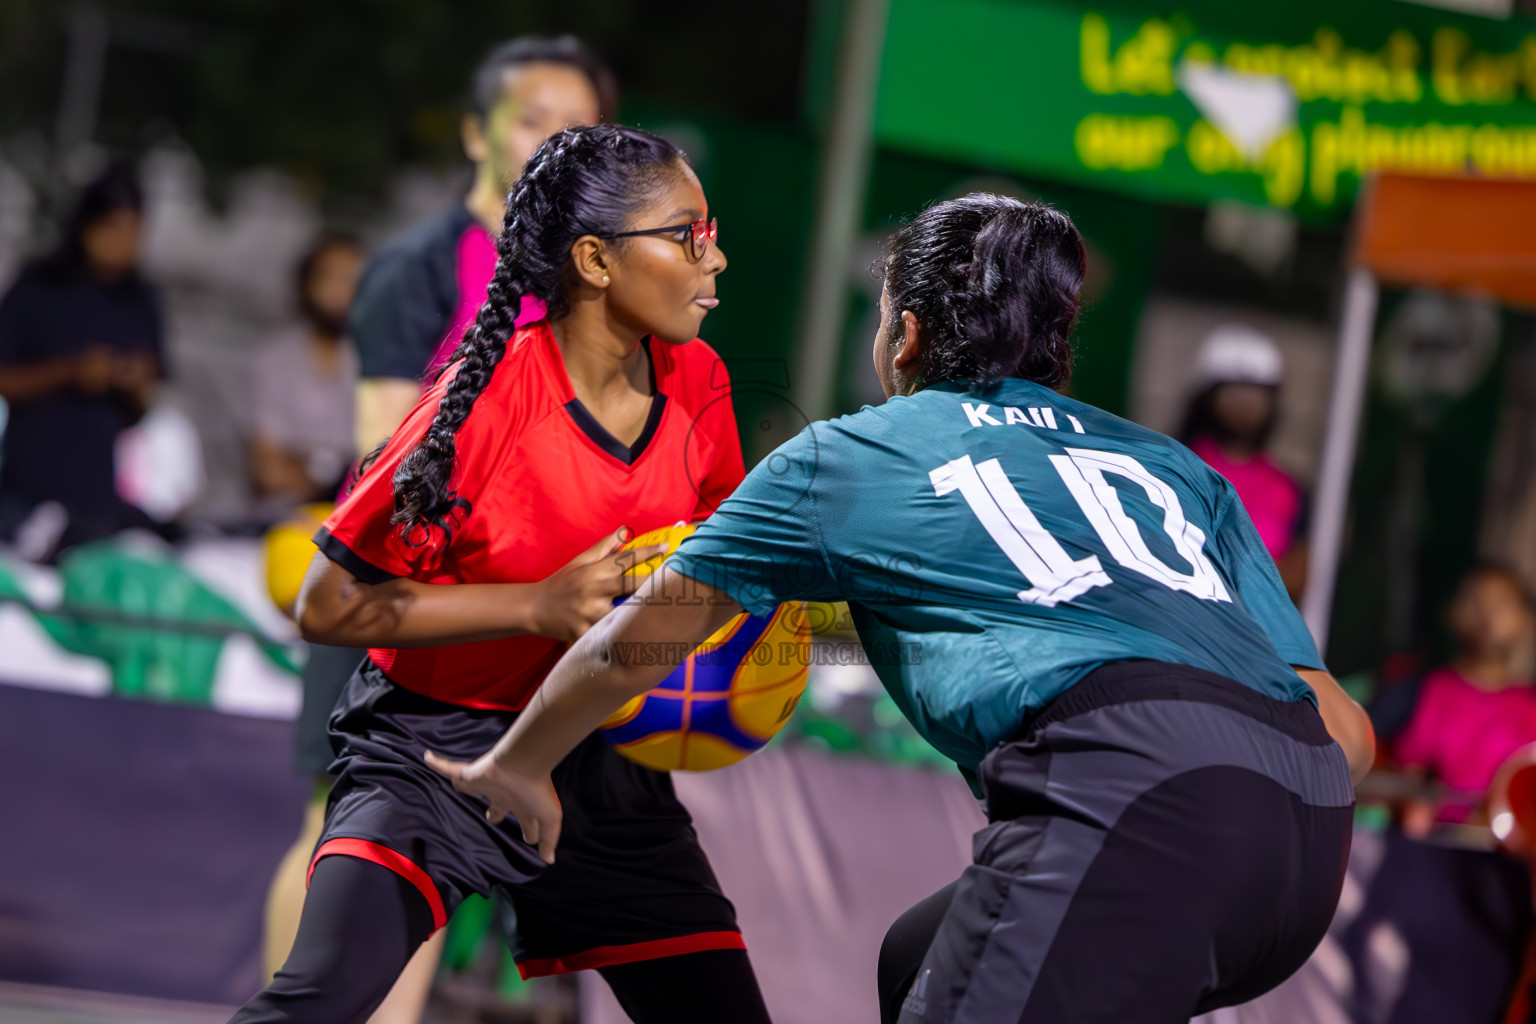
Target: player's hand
[(572, 600), (531, 800)]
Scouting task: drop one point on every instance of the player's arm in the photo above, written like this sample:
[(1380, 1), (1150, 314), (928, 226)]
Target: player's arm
[(1346, 721), (761, 549), (1264, 595), (337, 608), (625, 655)]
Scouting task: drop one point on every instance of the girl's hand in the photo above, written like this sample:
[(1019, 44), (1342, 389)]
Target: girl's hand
[(571, 601), (531, 800)]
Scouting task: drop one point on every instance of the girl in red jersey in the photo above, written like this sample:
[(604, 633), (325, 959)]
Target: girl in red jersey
[(482, 541)]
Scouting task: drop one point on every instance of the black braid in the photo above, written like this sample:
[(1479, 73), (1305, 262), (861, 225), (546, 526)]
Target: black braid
[(993, 282), (581, 181)]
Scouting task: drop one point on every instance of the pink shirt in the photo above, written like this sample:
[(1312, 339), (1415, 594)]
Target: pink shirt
[(476, 263), (1268, 493), (1463, 733)]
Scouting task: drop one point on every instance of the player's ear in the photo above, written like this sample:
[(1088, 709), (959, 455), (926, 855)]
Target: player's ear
[(472, 135), (909, 356), (590, 259)]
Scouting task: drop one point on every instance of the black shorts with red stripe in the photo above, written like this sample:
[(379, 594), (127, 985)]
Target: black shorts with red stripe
[(630, 882)]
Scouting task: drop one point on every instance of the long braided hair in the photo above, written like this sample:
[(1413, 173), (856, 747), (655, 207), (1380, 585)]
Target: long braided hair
[(588, 180), (994, 283)]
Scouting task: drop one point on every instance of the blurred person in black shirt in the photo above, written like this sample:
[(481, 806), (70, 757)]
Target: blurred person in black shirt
[(422, 289), (81, 348)]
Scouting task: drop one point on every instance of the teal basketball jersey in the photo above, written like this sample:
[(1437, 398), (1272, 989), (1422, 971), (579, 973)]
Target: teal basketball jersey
[(997, 545)]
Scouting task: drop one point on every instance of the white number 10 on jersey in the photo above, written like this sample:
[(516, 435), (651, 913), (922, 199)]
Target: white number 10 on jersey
[(1056, 576)]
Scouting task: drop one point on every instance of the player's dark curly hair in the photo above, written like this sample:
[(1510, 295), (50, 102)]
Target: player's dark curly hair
[(993, 282), (588, 180)]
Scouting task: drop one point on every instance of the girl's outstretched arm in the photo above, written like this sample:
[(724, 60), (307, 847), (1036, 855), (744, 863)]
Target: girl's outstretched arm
[(623, 656)]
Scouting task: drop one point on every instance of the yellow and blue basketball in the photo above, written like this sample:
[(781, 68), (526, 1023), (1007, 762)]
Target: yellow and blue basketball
[(727, 699)]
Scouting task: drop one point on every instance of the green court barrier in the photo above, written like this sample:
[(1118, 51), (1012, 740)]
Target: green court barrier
[(159, 629)]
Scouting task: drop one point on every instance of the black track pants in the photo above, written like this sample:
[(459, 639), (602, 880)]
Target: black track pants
[(1163, 842)]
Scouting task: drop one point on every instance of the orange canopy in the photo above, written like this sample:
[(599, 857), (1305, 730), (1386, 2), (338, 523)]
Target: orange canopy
[(1455, 233)]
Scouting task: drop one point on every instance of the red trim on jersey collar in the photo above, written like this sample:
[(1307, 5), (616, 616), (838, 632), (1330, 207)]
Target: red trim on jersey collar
[(363, 849), (634, 952)]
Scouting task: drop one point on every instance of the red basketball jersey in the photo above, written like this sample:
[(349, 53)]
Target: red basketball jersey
[(543, 481)]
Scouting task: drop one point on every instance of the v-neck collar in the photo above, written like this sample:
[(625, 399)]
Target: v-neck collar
[(588, 424), (600, 436)]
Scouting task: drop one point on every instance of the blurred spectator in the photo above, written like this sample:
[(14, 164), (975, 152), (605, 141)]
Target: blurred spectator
[(422, 290), (1228, 423), (303, 427), (80, 351), (1471, 715)]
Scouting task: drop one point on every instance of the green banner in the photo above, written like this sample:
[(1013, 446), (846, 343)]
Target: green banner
[(1287, 104)]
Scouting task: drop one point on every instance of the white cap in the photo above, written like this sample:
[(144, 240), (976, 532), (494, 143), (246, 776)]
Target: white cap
[(1237, 354)]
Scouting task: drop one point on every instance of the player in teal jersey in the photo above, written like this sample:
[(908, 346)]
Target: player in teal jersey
[(1075, 608)]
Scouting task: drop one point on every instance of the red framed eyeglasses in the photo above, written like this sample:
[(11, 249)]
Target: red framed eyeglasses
[(697, 236)]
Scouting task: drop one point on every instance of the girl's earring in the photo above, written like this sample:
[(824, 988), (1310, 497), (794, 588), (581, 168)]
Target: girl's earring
[(605, 279)]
